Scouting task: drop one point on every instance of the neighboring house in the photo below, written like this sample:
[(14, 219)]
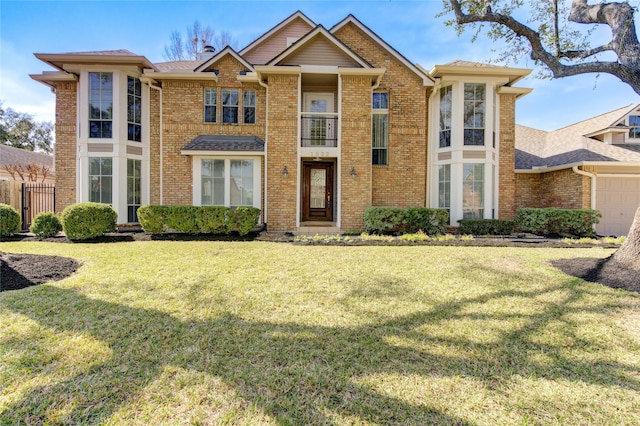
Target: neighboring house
[(591, 164), (10, 157), (312, 125)]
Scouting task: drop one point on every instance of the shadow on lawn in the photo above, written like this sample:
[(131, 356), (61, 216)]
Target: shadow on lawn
[(298, 374)]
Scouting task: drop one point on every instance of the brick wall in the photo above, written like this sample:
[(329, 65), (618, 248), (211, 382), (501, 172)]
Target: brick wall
[(65, 150), (562, 189), (282, 150), (507, 177), (183, 120), (356, 150), (403, 181)]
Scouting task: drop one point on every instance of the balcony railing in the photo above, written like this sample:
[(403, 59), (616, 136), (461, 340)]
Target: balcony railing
[(319, 130)]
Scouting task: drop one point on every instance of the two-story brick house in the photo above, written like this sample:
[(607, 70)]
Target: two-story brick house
[(312, 125)]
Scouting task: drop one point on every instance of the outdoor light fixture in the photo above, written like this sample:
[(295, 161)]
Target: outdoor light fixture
[(353, 172), (285, 172)]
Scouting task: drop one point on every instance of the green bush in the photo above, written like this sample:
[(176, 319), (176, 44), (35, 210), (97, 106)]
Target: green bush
[(152, 218), (390, 220), (10, 220), (429, 221), (45, 225), (213, 219), (83, 221), (194, 219), (562, 222), (182, 219), (383, 220), (245, 219), (486, 226)]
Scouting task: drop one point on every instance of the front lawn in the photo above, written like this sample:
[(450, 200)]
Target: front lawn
[(264, 333)]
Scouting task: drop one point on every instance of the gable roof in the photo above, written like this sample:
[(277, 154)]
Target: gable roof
[(227, 51), (298, 15), (538, 149), (350, 19), (320, 32)]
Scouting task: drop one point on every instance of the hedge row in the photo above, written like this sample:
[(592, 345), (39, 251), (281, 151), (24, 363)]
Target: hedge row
[(397, 220), (562, 222), (486, 226), (195, 219)]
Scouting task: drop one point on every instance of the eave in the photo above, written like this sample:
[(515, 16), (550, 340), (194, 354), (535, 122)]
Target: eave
[(62, 60), (513, 74)]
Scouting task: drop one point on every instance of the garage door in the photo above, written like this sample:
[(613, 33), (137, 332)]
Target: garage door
[(617, 199)]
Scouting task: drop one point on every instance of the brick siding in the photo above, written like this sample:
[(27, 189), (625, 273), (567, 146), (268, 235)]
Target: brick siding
[(65, 150)]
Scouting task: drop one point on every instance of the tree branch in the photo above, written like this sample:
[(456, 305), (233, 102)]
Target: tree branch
[(618, 16)]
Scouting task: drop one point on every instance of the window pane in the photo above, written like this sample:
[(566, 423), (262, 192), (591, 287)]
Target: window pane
[(473, 191), (206, 166), (380, 101), (249, 115), (241, 185), (229, 97), (210, 114), (229, 114), (249, 98)]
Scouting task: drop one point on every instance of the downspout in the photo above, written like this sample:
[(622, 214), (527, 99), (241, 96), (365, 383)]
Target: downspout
[(159, 89), (593, 184), (266, 144)]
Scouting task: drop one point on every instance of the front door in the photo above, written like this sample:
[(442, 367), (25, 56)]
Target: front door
[(317, 197)]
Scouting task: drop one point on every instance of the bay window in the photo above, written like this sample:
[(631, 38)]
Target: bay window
[(134, 109), (446, 95), (100, 180)]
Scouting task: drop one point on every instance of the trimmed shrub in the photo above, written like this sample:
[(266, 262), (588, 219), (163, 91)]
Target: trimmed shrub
[(152, 218), (562, 222), (429, 221), (244, 219), (182, 219), (383, 220), (45, 225), (88, 220), (213, 219), (10, 220), (486, 226), (394, 220)]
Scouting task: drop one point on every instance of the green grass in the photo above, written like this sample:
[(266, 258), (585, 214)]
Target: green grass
[(265, 333)]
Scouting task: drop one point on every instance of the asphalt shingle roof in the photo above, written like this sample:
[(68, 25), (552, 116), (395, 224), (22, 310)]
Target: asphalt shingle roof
[(11, 155), (225, 143)]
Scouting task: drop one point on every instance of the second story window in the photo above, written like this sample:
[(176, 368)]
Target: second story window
[(634, 123), (380, 129), (134, 109), (249, 106), (100, 104), (230, 105), (210, 105), (474, 106), (445, 116)]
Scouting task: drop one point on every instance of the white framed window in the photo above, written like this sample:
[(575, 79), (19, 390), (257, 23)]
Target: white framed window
[(444, 187), (134, 189), (230, 182), (446, 97), (380, 129), (100, 105), (210, 105), (473, 191), (634, 123), (134, 109), (474, 113), (101, 180), (230, 106), (249, 106)]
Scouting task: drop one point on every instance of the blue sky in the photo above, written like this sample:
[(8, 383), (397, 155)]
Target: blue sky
[(143, 27)]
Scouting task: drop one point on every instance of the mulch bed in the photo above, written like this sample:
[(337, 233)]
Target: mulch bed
[(24, 270), (603, 271)]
